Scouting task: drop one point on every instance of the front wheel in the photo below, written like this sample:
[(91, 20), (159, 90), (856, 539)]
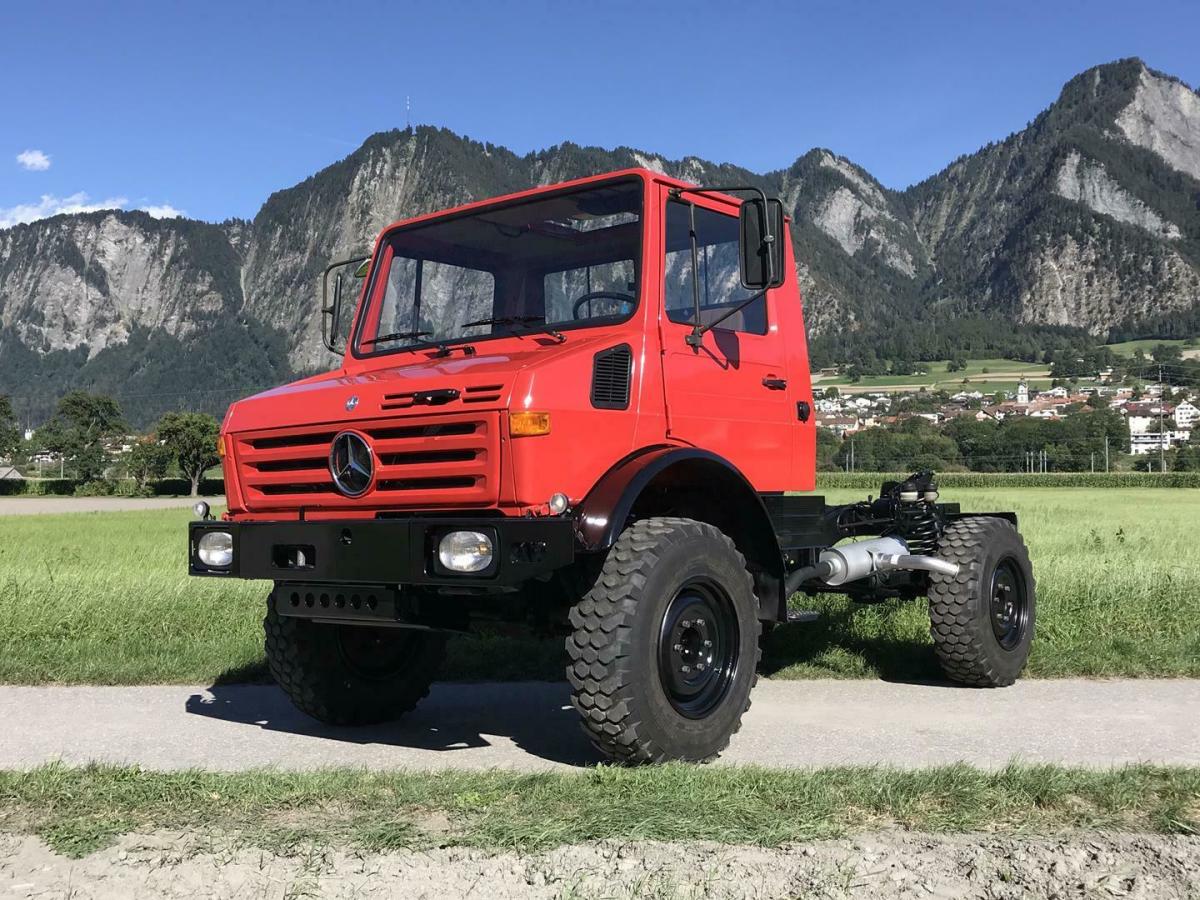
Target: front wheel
[(351, 674), (665, 645), (982, 619)]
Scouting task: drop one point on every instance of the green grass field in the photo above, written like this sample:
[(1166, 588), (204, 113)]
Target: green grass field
[(1127, 348), (79, 810), (1001, 375), (103, 598)]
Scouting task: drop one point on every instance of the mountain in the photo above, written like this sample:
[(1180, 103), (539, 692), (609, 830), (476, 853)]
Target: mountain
[(1088, 218)]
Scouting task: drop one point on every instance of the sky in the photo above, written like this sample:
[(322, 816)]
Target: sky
[(206, 108)]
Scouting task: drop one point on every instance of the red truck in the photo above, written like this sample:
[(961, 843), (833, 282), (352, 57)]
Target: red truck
[(584, 406)]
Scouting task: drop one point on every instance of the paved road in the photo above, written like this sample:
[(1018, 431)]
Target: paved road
[(33, 506), (529, 726)]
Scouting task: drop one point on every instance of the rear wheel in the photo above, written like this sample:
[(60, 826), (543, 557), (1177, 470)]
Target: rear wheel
[(351, 674), (665, 645), (982, 619)]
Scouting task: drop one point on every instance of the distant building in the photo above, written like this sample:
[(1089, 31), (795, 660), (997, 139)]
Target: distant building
[(1023, 393), (1186, 415), (839, 425), (8, 473), (29, 434), (1152, 442)]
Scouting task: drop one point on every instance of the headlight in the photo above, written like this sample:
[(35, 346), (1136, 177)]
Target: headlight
[(465, 551), (215, 549), (200, 510)]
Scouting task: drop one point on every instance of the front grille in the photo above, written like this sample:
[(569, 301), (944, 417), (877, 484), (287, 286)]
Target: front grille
[(437, 461)]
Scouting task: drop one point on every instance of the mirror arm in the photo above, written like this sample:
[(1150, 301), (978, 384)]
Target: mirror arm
[(699, 331), (768, 238)]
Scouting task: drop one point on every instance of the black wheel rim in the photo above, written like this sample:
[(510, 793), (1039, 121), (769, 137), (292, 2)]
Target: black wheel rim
[(372, 653), (698, 648), (1009, 604)]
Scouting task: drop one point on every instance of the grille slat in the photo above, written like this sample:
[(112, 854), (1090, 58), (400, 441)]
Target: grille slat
[(428, 462)]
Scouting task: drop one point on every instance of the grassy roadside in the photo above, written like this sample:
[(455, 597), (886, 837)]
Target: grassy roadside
[(79, 810), (103, 598)]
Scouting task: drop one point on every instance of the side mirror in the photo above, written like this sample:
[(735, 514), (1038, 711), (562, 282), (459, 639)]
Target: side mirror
[(331, 302), (760, 241)]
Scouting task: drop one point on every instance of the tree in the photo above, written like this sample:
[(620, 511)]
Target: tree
[(82, 427), (10, 435), (148, 460), (192, 439), (832, 393)]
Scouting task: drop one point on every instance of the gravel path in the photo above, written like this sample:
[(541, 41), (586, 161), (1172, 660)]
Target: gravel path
[(882, 865), (36, 506), (529, 726)]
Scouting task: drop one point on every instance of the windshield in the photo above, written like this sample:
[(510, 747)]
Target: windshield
[(556, 262)]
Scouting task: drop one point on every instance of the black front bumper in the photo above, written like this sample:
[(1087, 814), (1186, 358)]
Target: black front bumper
[(385, 551)]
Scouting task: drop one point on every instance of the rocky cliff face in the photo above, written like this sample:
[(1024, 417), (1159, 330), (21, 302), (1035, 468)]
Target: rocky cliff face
[(89, 280), (1089, 217)]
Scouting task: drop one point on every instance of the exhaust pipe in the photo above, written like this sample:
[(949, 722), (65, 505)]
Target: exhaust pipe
[(851, 562)]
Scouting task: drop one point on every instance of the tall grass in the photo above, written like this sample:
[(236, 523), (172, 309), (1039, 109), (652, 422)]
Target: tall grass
[(104, 598)]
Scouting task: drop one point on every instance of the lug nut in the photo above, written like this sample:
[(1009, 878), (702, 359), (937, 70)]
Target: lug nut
[(685, 669), (708, 643), (699, 623), (677, 647), (686, 623), (700, 667)]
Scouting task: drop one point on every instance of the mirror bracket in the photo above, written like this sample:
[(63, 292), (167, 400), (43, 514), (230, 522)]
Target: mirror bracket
[(331, 309)]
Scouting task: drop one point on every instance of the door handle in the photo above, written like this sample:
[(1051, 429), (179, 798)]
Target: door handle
[(775, 384)]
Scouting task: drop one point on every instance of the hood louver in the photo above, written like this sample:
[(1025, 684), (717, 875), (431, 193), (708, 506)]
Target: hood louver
[(611, 371)]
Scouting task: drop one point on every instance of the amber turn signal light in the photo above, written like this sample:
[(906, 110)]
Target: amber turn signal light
[(528, 424), (220, 446)]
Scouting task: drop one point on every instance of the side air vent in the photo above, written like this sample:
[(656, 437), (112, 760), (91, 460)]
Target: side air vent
[(611, 369)]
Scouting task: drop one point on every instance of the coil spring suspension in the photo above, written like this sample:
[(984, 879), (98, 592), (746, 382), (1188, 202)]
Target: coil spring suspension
[(918, 526)]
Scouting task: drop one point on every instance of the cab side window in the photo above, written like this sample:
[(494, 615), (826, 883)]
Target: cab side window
[(717, 272)]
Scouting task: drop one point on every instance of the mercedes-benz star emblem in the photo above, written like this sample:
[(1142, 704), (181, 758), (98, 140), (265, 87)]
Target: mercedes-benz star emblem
[(351, 464), (351, 403)]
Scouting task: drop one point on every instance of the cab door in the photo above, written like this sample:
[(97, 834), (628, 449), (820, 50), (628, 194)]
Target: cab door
[(730, 394)]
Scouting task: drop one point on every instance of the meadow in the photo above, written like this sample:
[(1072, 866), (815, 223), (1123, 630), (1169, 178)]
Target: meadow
[(986, 375), (103, 598)]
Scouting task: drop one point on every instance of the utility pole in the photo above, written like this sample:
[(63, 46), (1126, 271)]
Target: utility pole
[(1093, 454), (1105, 452), (1162, 435)]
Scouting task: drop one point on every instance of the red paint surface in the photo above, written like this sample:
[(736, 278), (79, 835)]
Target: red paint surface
[(712, 398)]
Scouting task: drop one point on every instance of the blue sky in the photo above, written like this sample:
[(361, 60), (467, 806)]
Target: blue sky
[(209, 107)]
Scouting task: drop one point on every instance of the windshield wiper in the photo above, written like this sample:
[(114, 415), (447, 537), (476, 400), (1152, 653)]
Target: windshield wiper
[(540, 321), (398, 336), (504, 320)]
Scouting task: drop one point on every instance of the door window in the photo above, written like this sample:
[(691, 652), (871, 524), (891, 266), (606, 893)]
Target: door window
[(717, 271)]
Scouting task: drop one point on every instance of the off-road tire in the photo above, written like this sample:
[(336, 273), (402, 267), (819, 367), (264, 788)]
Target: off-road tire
[(614, 671), (309, 661), (960, 609)]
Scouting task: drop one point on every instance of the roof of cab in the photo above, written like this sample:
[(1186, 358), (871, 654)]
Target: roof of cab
[(648, 175)]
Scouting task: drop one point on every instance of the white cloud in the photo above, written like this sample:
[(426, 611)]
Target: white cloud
[(163, 211), (50, 205), (80, 202), (33, 160)]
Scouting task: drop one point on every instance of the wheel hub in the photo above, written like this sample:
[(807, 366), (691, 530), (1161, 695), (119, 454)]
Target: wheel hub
[(1009, 604), (698, 647)]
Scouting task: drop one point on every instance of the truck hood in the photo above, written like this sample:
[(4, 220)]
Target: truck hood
[(399, 386)]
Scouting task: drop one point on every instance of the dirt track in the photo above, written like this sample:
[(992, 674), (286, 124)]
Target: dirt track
[(36, 506), (530, 726), (881, 865)]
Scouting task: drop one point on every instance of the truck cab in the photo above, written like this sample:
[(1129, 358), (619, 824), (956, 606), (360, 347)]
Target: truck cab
[(584, 406)]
